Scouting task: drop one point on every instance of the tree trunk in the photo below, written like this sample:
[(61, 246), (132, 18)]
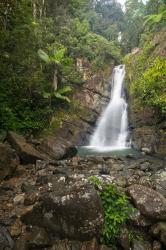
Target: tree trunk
[(55, 80)]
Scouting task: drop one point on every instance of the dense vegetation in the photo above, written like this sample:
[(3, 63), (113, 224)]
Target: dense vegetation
[(40, 44), (146, 67), (117, 210), (43, 41)]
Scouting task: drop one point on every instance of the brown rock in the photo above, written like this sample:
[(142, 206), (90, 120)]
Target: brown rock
[(159, 231), (27, 153), (76, 245), (72, 210), (38, 238), (141, 245), (8, 161), (149, 202), (157, 245), (57, 148)]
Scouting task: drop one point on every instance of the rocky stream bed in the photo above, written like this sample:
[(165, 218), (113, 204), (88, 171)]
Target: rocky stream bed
[(49, 204)]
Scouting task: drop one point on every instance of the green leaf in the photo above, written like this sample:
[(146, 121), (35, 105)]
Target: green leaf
[(64, 90), (62, 97), (46, 95), (43, 56), (59, 55)]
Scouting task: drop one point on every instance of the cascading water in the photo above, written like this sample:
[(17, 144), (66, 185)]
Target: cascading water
[(112, 128)]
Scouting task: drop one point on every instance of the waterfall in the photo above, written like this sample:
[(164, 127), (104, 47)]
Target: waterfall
[(112, 127)]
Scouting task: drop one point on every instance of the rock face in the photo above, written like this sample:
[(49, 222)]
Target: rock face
[(72, 209), (57, 148), (26, 152), (149, 202), (8, 161)]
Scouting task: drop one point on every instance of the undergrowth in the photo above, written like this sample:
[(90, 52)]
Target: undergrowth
[(116, 210)]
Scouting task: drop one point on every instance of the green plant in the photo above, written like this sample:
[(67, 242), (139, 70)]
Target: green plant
[(116, 210)]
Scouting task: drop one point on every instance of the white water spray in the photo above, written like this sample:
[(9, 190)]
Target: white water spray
[(112, 128)]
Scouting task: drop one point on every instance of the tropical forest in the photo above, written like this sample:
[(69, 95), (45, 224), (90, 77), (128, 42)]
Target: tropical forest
[(82, 124)]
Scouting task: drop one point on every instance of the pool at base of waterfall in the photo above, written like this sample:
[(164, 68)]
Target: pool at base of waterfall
[(108, 151)]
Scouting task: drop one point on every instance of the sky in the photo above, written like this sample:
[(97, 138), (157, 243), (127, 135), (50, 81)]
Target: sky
[(121, 1)]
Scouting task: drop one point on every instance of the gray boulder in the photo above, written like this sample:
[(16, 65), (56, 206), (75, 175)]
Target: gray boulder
[(71, 209), (150, 203), (6, 242), (57, 148), (159, 230)]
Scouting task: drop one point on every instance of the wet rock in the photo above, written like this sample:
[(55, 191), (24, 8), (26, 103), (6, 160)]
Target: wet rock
[(159, 230), (38, 238), (146, 150), (41, 164), (138, 219), (156, 245), (141, 245), (15, 229), (104, 170), (159, 180), (124, 239), (7, 187), (144, 166), (30, 199), (72, 210), (19, 199), (27, 153), (6, 242), (21, 244), (76, 245), (149, 202), (26, 187), (8, 161)]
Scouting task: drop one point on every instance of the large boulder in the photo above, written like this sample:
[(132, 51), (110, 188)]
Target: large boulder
[(57, 148), (71, 208), (159, 230), (6, 242), (8, 161), (27, 153), (159, 181), (150, 203), (76, 245)]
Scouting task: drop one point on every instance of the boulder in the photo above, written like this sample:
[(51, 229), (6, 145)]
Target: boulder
[(76, 245), (159, 181), (6, 242), (141, 245), (27, 153), (57, 148), (150, 203), (159, 230), (8, 161), (71, 209), (38, 238)]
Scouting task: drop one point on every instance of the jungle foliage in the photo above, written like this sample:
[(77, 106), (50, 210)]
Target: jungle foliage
[(40, 43), (146, 68)]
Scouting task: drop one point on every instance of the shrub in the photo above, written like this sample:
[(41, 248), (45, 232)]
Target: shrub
[(116, 210)]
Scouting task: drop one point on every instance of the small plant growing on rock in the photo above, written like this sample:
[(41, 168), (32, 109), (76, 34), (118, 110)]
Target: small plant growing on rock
[(116, 210)]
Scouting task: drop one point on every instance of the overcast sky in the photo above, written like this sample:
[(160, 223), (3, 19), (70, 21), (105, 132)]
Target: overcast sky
[(121, 1)]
